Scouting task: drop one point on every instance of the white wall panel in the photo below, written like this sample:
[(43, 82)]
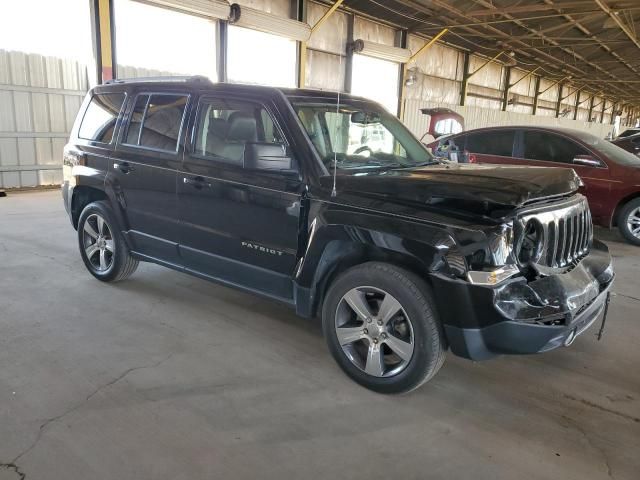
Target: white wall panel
[(438, 60), (476, 117), (39, 99), (332, 34), (282, 8), (374, 32), (325, 71), (490, 75), (22, 112)]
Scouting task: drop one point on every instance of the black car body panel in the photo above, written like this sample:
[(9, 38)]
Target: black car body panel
[(287, 234)]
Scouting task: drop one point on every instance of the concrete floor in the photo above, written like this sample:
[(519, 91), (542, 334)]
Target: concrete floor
[(165, 376)]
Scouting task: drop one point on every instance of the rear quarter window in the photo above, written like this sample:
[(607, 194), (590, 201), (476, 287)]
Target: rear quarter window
[(99, 120)]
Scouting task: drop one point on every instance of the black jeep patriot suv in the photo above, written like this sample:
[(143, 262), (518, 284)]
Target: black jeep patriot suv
[(329, 204)]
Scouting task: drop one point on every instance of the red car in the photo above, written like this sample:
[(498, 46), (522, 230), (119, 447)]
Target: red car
[(610, 174)]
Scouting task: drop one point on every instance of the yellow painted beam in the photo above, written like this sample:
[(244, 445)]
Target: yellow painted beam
[(525, 76), (554, 84), (106, 41), (327, 14)]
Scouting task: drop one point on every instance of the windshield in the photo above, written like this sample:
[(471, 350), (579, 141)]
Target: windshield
[(629, 132), (359, 135), (615, 153)]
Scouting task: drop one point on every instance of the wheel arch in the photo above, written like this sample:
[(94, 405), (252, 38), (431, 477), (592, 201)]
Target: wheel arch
[(620, 206), (347, 247), (83, 195)]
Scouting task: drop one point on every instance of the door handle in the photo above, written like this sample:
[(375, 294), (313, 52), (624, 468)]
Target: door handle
[(124, 167), (196, 182)]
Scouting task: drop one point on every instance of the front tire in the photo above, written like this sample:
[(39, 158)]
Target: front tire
[(382, 329), (102, 247), (629, 221)]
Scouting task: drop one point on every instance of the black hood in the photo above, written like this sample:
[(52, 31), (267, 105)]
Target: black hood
[(477, 188)]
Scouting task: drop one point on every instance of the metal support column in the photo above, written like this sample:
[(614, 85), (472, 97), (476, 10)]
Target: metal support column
[(348, 61), (103, 39), (559, 101), (465, 74), (221, 50), (401, 41), (591, 105), (575, 111), (301, 73), (536, 96), (505, 93)]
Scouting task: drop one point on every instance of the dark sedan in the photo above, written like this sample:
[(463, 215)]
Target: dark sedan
[(631, 143), (610, 174)]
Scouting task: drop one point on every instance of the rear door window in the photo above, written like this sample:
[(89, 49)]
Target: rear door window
[(550, 147), (156, 121), (99, 121), (498, 143)]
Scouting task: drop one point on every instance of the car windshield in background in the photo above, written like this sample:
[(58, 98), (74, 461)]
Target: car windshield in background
[(359, 136), (615, 153)]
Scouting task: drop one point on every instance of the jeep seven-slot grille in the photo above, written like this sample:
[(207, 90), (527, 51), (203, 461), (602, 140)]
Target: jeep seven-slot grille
[(568, 238), (568, 232)]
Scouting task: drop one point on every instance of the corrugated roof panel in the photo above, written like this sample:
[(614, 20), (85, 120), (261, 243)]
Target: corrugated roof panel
[(37, 71), (5, 70), (40, 105), (7, 120), (57, 113), (71, 107), (26, 151), (18, 65), (49, 177), (57, 145), (8, 151), (22, 112), (29, 178), (10, 179), (54, 72), (43, 152), (70, 77)]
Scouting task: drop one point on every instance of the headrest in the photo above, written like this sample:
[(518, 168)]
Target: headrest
[(242, 127), (218, 127)]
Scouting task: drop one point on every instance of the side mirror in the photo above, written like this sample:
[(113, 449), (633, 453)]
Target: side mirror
[(587, 160), (268, 156)]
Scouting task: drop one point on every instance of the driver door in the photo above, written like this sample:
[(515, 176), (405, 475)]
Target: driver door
[(239, 222)]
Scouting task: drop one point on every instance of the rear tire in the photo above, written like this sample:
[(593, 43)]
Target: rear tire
[(629, 221), (102, 246), (381, 327)]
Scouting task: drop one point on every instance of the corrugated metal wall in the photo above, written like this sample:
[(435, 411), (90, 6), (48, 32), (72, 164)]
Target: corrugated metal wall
[(39, 99), (477, 117)]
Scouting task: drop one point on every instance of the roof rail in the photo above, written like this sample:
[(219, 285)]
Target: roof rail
[(174, 79)]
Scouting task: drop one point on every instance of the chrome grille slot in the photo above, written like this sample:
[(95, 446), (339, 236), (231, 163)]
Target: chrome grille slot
[(567, 232)]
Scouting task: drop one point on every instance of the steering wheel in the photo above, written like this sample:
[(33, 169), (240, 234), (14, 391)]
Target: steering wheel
[(363, 148)]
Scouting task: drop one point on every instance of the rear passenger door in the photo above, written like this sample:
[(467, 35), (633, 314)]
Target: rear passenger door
[(240, 222), (143, 173)]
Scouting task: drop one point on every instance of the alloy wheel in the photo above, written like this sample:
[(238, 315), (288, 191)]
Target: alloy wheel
[(633, 222), (97, 241), (374, 331)]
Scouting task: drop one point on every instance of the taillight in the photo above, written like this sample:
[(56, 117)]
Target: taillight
[(471, 158)]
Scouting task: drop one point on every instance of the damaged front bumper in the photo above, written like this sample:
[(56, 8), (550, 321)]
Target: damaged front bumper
[(524, 317)]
